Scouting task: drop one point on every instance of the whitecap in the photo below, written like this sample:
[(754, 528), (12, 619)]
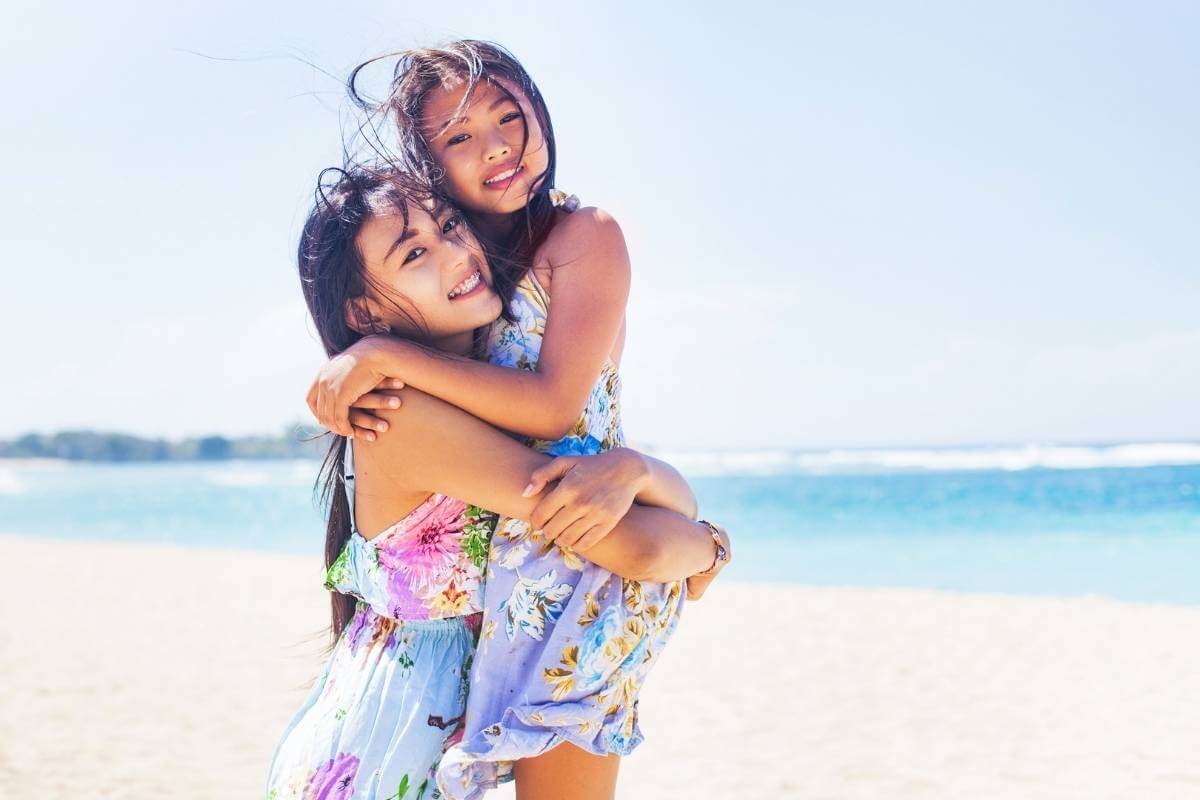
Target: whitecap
[(249, 473), (10, 483), (1007, 458)]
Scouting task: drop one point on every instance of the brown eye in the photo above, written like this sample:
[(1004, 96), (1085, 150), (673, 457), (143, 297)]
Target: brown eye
[(450, 224), (509, 117), (414, 254), (459, 139)]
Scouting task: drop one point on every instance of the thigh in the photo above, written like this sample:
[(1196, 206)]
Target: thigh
[(567, 773)]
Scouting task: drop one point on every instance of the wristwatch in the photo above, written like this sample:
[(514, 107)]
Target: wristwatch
[(722, 553)]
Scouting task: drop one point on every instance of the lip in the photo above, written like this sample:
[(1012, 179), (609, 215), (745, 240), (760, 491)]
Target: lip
[(504, 184), (480, 285)]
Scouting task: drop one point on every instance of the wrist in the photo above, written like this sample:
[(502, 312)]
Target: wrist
[(721, 544), (385, 355), (639, 474)]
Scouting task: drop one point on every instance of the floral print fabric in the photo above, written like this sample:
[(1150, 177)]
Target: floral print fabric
[(389, 702), (392, 696), (426, 566), (565, 645)]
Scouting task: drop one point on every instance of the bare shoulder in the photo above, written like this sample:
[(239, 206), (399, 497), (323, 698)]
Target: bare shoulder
[(591, 241), (584, 229)]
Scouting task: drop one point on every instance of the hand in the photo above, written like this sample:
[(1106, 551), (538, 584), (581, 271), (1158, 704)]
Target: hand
[(350, 385), (592, 495), (697, 584)]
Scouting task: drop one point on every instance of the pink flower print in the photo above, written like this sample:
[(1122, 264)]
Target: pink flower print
[(333, 780), (427, 550)]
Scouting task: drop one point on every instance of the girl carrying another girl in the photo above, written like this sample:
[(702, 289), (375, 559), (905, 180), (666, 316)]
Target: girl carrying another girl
[(565, 644), (407, 537)]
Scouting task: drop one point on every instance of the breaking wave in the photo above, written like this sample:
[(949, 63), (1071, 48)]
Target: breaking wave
[(1006, 458)]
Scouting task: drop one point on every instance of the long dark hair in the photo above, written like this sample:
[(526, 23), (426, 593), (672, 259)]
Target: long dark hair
[(468, 61), (332, 275)]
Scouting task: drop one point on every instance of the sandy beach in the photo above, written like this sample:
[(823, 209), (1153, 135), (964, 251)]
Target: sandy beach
[(138, 671)]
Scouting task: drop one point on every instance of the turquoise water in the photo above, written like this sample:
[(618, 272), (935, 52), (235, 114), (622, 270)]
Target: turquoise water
[(1130, 533)]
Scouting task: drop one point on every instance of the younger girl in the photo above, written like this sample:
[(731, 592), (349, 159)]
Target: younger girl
[(407, 536), (554, 690)]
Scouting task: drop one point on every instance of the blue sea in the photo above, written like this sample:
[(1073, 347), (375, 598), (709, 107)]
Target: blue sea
[(1121, 521)]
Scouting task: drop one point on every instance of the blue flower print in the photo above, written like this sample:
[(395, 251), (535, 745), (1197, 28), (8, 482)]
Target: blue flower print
[(533, 603)]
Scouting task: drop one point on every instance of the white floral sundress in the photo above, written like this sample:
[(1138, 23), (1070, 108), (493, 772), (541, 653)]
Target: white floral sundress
[(392, 695), (565, 644)]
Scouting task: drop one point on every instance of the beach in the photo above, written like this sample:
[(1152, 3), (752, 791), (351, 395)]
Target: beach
[(143, 670)]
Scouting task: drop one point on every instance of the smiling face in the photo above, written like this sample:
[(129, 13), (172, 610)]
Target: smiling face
[(427, 279), (490, 167)]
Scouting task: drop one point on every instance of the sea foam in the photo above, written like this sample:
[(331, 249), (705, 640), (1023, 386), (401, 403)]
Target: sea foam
[(300, 472), (10, 483), (1006, 458)]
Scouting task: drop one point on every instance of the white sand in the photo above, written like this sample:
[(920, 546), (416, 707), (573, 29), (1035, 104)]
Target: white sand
[(139, 671)]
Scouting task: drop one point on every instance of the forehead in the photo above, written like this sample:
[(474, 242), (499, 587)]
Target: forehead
[(381, 231), (442, 104)]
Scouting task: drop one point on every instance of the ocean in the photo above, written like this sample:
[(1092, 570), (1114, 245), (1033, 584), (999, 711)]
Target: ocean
[(1119, 521)]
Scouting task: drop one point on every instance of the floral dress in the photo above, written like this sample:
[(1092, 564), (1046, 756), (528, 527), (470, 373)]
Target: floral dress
[(391, 697), (565, 644)]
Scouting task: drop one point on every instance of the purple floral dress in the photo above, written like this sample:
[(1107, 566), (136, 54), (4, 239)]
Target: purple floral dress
[(392, 694), (565, 644)]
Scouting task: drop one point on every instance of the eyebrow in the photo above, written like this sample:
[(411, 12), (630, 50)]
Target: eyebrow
[(499, 101), (404, 236)]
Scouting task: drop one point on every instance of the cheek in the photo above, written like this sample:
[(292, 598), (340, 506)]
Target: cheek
[(458, 174), (537, 145)]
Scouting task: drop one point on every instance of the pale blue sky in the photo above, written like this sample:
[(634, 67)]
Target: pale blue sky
[(851, 224)]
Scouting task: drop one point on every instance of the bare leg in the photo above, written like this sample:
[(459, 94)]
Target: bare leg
[(567, 773)]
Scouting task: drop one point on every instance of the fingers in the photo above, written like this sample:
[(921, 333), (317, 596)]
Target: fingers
[(570, 536), (367, 422), (546, 473), (377, 400), (556, 523), (311, 399), (336, 420), (365, 434), (593, 536), (547, 508), (390, 383)]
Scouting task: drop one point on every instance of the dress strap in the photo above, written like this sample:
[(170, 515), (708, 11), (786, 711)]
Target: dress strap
[(348, 478)]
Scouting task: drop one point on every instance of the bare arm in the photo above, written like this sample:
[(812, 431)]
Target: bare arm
[(592, 493), (436, 447), (666, 488), (590, 264)]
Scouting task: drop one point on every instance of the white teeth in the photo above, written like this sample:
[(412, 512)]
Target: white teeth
[(503, 176), (467, 285)]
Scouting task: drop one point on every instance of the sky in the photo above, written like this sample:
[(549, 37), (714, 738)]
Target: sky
[(853, 224)]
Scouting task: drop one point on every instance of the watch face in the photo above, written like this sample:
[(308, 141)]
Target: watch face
[(722, 553)]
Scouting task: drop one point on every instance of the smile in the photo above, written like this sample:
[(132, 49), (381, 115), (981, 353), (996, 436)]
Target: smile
[(467, 284), (504, 177)]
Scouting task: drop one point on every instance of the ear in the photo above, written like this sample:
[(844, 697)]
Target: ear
[(361, 317)]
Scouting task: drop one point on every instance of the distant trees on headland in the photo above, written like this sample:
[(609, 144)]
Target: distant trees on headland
[(296, 442)]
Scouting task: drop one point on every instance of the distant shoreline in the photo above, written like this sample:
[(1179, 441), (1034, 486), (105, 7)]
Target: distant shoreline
[(95, 446)]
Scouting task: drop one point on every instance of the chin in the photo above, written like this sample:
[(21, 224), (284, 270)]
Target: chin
[(513, 202)]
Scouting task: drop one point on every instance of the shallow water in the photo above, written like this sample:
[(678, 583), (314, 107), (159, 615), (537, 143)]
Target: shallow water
[(1131, 533)]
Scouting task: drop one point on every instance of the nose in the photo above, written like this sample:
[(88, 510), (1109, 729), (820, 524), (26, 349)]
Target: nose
[(498, 147), (456, 253)]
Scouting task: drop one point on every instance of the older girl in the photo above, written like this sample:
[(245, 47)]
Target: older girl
[(557, 696), (407, 535)]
